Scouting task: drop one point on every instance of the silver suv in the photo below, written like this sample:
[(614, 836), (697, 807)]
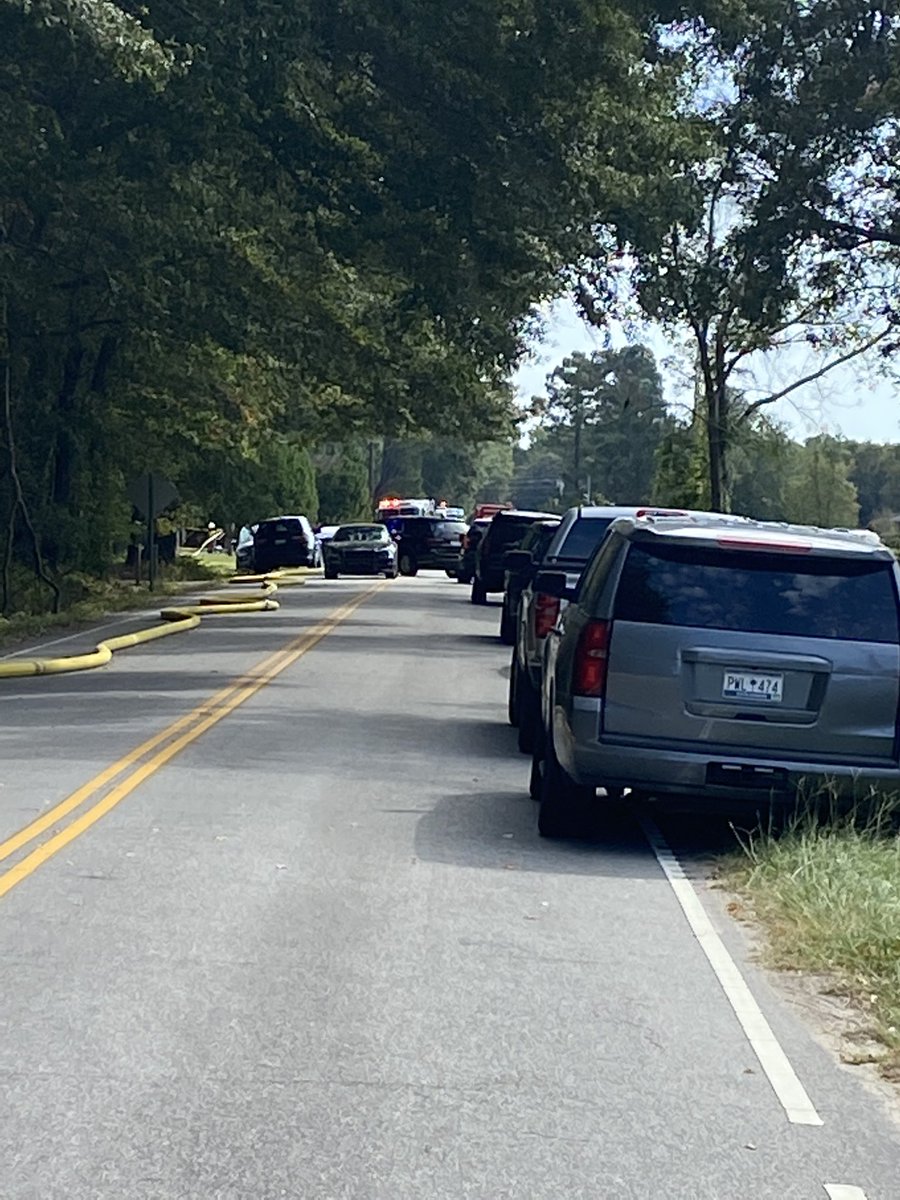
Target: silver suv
[(720, 660)]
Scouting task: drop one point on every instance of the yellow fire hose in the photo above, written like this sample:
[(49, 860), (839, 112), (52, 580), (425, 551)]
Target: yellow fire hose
[(179, 619)]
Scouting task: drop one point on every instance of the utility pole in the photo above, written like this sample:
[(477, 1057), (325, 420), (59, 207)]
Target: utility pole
[(371, 473)]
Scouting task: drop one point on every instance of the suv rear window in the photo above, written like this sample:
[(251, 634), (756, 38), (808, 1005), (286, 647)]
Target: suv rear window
[(507, 530), (583, 538), (273, 529), (798, 596)]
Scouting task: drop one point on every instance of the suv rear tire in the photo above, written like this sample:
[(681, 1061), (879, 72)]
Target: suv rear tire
[(479, 594), (408, 564), (528, 714), (512, 700), (507, 625), (565, 805)]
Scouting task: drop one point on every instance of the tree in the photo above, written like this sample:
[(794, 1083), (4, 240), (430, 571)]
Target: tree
[(604, 415), (786, 109), (820, 492), (875, 473), (227, 224)]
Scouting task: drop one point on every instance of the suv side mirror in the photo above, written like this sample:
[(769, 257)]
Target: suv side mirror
[(516, 560), (554, 583)]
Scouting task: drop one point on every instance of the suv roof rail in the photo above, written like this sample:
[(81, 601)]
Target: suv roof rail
[(866, 537)]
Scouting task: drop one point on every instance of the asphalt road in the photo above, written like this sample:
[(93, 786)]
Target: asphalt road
[(308, 945)]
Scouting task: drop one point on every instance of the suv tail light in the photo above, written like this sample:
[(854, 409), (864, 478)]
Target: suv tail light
[(546, 611), (591, 658)]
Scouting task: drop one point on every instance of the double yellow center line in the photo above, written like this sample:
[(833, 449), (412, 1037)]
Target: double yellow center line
[(146, 759)]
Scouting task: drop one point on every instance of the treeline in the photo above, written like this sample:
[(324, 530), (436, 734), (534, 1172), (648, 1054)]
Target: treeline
[(235, 235), (604, 434)]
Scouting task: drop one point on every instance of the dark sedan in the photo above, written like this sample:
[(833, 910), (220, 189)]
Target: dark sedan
[(361, 550)]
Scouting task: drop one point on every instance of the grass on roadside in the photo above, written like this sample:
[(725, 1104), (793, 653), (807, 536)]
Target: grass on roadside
[(100, 597), (827, 891)]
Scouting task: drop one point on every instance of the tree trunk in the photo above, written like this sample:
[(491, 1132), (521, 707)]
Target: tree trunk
[(717, 446), (64, 452)]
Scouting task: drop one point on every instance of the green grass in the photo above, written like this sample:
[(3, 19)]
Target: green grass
[(97, 598), (827, 891)]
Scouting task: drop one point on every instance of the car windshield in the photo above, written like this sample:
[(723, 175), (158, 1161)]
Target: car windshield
[(360, 533), (584, 536), (796, 596)]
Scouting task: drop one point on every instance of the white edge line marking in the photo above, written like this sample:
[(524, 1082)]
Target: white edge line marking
[(772, 1058), (844, 1191)]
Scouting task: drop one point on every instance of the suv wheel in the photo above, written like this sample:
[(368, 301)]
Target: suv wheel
[(512, 710), (408, 564), (507, 625), (528, 714), (479, 594), (565, 804)]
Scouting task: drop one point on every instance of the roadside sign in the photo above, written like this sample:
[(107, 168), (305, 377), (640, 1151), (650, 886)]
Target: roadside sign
[(151, 494)]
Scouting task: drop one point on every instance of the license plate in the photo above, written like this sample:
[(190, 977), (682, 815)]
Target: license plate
[(752, 685)]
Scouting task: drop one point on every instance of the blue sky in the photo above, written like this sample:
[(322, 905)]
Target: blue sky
[(848, 401)]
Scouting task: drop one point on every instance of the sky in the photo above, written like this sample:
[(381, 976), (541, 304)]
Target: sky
[(848, 402)]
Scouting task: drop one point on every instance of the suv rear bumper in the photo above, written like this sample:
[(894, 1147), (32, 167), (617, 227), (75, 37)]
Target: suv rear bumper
[(703, 773)]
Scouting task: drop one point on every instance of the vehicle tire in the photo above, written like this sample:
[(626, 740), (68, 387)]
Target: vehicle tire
[(528, 713), (408, 564), (512, 710), (329, 574), (450, 574), (391, 572), (565, 805), (507, 625), (536, 778), (479, 595)]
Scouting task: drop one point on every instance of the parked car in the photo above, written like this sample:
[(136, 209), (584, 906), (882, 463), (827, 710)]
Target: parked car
[(284, 542), (506, 530), (520, 566), (469, 540), (719, 660), (428, 543), (243, 549), (580, 532), (324, 533), (361, 549)]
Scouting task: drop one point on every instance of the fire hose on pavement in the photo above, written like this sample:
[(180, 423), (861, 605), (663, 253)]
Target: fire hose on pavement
[(177, 619)]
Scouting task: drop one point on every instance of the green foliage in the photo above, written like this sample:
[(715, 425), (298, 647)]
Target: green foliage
[(821, 492), (875, 472), (603, 419), (764, 461), (342, 481), (777, 225), (680, 479), (227, 226)]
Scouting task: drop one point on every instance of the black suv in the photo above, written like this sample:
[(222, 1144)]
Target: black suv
[(429, 543), (284, 542), (505, 532), (521, 567)]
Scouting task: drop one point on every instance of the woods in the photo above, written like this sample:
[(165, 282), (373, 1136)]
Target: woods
[(240, 242)]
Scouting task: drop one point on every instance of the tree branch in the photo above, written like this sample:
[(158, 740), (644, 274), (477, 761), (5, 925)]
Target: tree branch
[(813, 375)]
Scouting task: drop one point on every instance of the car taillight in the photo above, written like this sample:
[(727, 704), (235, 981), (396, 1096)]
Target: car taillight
[(546, 611), (591, 659)]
